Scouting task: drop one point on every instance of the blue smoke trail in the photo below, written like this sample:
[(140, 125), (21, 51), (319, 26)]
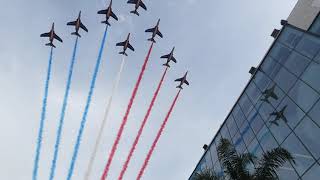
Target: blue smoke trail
[(85, 113), (42, 119), (62, 115)]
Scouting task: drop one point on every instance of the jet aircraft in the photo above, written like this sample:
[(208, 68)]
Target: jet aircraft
[(126, 44), (279, 115), (77, 25), (269, 93), (137, 3), (169, 58), (51, 35), (155, 31), (109, 13), (182, 81)]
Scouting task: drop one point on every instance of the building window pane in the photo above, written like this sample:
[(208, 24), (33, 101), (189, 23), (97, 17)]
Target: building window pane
[(246, 133), (301, 156), (312, 173), (209, 163), (261, 80), (296, 63), (292, 113), (265, 110), (270, 67), (285, 80), (309, 134), (253, 92), (309, 45), (266, 140), (280, 53), (303, 95), (245, 104), (238, 115), (255, 121), (287, 172), (290, 37), (232, 126), (213, 152), (315, 113), (255, 148), (315, 28), (310, 77), (268, 95)]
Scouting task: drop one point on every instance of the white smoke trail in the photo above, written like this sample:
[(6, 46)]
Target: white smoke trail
[(109, 104)]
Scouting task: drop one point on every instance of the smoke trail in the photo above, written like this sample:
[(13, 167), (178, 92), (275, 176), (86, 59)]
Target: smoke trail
[(146, 161), (125, 118), (42, 119), (85, 113), (136, 141), (62, 115), (98, 140)]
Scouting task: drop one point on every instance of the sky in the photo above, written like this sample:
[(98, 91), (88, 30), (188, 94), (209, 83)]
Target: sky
[(217, 41)]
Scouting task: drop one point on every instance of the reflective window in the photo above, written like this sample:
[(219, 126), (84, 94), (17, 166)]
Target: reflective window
[(218, 169), (303, 95), (209, 163), (238, 115), (315, 113), (315, 28), (245, 104), (280, 53), (261, 80), (246, 133), (280, 130), (312, 173), (255, 121), (309, 76), (232, 126), (309, 45), (265, 110), (287, 172), (213, 152), (253, 92), (266, 140), (292, 112), (225, 132), (296, 63), (269, 98), (255, 148), (285, 80), (290, 37), (270, 67), (238, 143), (309, 134), (317, 58), (301, 156)]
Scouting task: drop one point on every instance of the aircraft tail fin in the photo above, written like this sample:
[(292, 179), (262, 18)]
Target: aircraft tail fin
[(76, 34), (123, 53), (166, 64), (152, 40), (135, 12), (106, 22), (51, 44)]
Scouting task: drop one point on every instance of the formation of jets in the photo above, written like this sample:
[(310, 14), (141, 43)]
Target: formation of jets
[(126, 44), (279, 115)]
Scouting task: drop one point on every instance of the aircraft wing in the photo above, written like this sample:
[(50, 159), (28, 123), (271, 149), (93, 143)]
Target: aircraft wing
[(150, 30), (284, 119), (103, 11), (114, 16), (165, 56), (130, 47), (45, 35), (83, 27), (273, 114), (187, 83), (57, 37), (73, 23), (180, 79), (121, 44), (174, 59), (141, 4), (132, 1), (274, 96), (160, 34)]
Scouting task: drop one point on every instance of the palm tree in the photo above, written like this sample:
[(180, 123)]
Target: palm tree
[(236, 165), (207, 175)]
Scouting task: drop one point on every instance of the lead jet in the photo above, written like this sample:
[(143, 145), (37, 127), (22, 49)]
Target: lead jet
[(109, 13), (51, 35), (155, 31), (182, 80), (77, 24), (137, 3), (269, 93), (279, 115), (169, 58), (126, 44)]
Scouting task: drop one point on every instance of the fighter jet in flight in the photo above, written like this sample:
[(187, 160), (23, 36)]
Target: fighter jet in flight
[(109, 13), (269, 93), (182, 80), (77, 24), (51, 35), (126, 44), (155, 31), (169, 58), (279, 115), (137, 3)]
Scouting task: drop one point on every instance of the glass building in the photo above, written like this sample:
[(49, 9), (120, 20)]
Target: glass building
[(280, 106)]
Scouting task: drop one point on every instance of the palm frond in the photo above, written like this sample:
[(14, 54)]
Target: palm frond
[(207, 175)]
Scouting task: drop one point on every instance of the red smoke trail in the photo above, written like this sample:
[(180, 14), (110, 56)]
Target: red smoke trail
[(125, 118), (154, 144), (135, 143)]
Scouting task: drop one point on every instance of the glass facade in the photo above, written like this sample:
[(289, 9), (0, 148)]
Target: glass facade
[(280, 106)]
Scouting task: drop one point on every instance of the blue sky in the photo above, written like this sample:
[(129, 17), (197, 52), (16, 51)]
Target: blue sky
[(217, 41)]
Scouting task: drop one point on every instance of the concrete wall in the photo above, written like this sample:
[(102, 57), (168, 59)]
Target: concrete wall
[(304, 13)]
